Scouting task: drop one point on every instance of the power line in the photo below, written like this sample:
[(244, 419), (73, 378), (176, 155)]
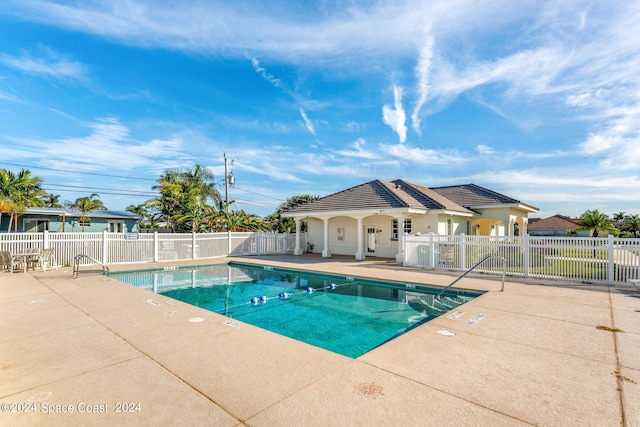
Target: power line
[(258, 194), (81, 187), (113, 193), (77, 172), (78, 188)]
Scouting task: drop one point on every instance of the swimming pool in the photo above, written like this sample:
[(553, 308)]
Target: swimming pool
[(346, 315)]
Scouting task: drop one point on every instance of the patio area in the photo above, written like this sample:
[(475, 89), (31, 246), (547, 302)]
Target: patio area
[(94, 351)]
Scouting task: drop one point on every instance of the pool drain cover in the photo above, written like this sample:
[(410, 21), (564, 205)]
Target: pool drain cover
[(370, 390)]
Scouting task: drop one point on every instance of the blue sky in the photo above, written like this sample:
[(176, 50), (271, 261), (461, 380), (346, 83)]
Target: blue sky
[(537, 100)]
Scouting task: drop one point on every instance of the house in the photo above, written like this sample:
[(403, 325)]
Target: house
[(557, 225), (68, 220), (368, 219)]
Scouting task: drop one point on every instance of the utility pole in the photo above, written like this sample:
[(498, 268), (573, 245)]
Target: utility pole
[(226, 184), (228, 180)]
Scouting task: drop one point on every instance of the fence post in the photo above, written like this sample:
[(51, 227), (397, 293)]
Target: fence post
[(525, 255), (45, 239), (258, 243), (193, 245), (463, 244), (228, 243), (155, 246), (611, 263), (104, 247), (432, 252)]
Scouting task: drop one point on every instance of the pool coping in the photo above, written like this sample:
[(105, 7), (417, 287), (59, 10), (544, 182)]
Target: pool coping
[(543, 353)]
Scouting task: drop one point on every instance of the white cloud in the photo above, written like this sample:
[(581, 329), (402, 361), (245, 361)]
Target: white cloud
[(9, 97), (109, 146), (307, 122), (359, 150), (485, 150), (618, 143), (265, 75), (422, 72), (415, 155), (579, 100), (395, 116), (52, 65), (326, 33)]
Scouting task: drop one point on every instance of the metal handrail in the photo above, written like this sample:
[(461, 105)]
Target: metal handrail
[(76, 265), (504, 271)]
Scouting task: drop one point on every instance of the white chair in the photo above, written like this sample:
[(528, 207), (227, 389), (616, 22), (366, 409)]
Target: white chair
[(31, 257), (47, 259), (9, 263)]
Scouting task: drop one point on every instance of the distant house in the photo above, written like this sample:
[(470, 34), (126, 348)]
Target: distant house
[(68, 220), (557, 225), (368, 219)]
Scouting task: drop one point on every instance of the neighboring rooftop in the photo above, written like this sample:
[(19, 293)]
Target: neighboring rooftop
[(98, 213), (557, 221)]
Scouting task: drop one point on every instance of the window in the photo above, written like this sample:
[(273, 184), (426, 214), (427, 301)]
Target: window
[(116, 227), (85, 223), (36, 225), (394, 228)]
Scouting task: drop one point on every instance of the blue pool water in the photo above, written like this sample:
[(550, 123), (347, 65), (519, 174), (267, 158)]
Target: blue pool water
[(346, 315)]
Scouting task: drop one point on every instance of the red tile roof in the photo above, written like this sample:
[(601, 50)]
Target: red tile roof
[(558, 222)]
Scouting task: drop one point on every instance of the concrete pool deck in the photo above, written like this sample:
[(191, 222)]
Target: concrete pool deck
[(544, 353)]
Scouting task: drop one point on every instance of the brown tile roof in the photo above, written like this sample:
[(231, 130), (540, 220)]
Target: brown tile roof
[(559, 222), (404, 194), (469, 195), (429, 197), (370, 195)]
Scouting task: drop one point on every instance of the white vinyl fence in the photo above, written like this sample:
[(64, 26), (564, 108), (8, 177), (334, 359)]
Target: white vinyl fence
[(605, 260), (123, 248)]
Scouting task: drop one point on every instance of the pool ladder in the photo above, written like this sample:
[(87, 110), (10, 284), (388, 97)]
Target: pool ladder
[(504, 271), (76, 265)]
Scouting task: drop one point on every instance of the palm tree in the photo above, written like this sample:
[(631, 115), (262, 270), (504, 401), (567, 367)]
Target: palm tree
[(203, 178), (596, 222), (19, 192), (632, 223), (238, 221), (183, 197), (84, 205), (285, 225), (52, 201), (141, 211)]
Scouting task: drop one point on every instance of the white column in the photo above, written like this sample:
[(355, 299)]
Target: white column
[(401, 241), (326, 253), (298, 249), (360, 254)]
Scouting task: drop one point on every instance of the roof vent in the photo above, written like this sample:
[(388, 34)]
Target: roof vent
[(397, 185)]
